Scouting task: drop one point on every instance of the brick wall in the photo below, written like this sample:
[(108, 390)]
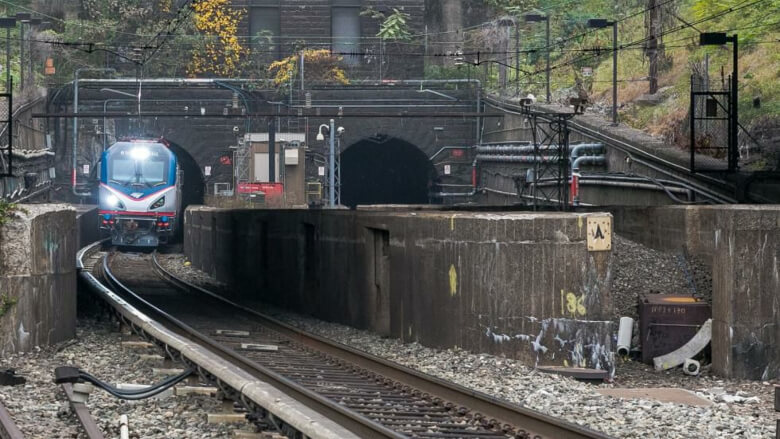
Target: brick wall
[(309, 22)]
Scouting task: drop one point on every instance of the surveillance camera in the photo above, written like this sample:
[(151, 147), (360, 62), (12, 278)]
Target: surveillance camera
[(340, 130), (235, 129)]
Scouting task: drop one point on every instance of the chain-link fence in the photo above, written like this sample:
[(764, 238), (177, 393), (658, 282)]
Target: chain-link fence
[(710, 124), (6, 153)]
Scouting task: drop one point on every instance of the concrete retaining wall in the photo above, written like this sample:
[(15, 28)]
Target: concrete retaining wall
[(38, 277), (523, 285), (742, 244)]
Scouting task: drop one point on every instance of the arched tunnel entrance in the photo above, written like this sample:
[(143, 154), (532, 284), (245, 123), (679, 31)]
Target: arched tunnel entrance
[(192, 189), (389, 172)]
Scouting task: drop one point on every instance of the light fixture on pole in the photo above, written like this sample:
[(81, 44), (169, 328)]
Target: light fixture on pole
[(533, 18), (599, 23), (320, 136), (719, 39)]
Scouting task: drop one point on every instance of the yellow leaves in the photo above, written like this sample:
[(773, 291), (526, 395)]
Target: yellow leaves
[(321, 65), (218, 20)]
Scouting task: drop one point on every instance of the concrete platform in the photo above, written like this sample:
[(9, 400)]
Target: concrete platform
[(662, 394)]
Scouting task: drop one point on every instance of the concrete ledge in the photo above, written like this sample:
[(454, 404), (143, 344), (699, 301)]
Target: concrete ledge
[(38, 277)]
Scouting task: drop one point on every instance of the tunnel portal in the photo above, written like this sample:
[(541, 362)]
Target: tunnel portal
[(388, 171)]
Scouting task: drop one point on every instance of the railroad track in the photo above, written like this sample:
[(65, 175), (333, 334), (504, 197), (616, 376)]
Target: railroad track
[(8, 430), (709, 187), (369, 396)]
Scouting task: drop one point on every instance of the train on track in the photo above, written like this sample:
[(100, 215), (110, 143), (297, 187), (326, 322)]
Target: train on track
[(139, 196)]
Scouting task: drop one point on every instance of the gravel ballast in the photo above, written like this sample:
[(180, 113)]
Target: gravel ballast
[(40, 409), (739, 408)]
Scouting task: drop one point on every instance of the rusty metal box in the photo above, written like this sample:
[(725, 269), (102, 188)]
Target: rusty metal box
[(666, 322)]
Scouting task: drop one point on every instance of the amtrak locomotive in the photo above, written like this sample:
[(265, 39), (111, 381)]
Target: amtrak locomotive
[(140, 193)]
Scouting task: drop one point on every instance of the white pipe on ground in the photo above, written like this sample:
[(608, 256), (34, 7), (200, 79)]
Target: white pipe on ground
[(624, 335), (124, 430)]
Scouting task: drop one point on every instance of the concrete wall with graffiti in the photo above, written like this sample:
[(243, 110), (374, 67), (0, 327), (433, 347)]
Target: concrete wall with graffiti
[(525, 285)]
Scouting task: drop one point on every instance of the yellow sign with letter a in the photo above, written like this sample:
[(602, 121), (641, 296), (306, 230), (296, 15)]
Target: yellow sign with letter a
[(599, 233)]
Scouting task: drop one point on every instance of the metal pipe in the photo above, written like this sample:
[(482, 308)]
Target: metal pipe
[(587, 160), (515, 158), (625, 184), (438, 93), (591, 147)]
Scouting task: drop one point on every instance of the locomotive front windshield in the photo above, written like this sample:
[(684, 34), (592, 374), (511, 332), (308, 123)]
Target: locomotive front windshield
[(139, 164)]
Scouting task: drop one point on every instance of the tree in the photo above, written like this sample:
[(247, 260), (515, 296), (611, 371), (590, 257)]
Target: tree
[(221, 52), (320, 65)]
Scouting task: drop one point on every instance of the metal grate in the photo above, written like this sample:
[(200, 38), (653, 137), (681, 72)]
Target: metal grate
[(6, 144), (712, 146)]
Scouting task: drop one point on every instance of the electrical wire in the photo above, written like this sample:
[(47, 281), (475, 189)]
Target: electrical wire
[(138, 394)]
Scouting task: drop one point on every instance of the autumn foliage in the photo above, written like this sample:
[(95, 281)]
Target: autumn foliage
[(320, 65), (221, 52)]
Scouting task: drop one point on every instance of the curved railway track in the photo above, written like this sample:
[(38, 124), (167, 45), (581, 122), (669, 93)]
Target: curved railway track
[(369, 396)]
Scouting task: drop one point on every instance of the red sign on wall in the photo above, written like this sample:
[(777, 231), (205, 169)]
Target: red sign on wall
[(457, 153), (269, 189), (225, 160)]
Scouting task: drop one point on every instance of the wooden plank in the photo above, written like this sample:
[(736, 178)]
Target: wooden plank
[(232, 333), (195, 390), (259, 347), (225, 418)]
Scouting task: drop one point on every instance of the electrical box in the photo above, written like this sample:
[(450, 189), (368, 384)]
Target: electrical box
[(667, 322), (291, 156)]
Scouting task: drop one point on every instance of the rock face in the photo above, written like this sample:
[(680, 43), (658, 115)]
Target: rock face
[(37, 277)]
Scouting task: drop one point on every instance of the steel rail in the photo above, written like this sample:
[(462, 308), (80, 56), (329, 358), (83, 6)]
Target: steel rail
[(82, 412), (537, 424), (8, 430), (664, 166), (269, 402), (360, 425)]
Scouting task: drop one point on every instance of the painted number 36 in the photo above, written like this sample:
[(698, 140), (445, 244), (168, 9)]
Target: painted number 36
[(574, 305)]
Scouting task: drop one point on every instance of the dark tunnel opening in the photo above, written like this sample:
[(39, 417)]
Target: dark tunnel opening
[(390, 172), (192, 182)]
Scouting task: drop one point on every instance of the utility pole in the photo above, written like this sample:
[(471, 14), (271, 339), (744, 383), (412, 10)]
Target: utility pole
[(332, 165), (272, 150)]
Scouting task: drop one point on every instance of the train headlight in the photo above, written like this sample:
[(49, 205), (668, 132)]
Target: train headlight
[(140, 153), (158, 204), (114, 201)]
